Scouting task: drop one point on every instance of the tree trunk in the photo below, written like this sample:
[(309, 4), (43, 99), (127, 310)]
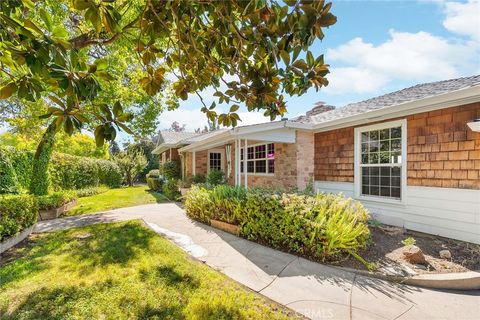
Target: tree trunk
[(40, 181)]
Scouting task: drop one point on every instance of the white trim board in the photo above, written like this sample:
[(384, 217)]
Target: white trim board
[(447, 212)]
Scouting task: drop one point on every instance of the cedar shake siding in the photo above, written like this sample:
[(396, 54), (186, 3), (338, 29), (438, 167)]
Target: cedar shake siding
[(334, 155), (441, 150)]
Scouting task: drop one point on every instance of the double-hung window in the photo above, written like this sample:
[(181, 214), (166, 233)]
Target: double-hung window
[(260, 159), (380, 154), (215, 161)]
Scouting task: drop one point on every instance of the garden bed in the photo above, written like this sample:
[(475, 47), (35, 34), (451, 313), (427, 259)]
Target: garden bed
[(385, 251)]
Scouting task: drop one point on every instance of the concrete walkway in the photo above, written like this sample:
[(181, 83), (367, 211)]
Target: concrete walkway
[(314, 290)]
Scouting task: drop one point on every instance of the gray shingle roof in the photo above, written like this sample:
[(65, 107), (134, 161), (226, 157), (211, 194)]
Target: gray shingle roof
[(410, 94), (204, 136), (172, 137)]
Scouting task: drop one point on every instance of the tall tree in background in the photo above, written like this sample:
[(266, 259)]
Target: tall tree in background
[(177, 127), (66, 52)]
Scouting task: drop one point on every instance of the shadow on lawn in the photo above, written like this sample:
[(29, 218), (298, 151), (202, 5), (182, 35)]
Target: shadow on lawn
[(109, 244)]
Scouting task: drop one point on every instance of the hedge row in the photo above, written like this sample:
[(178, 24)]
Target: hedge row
[(66, 171), (321, 226), (17, 212)]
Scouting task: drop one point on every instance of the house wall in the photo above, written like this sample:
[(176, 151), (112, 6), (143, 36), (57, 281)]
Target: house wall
[(442, 196), (442, 151)]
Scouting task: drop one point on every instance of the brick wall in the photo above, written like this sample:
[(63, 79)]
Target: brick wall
[(305, 158), (334, 156), (442, 151)]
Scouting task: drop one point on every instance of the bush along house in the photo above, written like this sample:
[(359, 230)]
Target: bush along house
[(412, 157)]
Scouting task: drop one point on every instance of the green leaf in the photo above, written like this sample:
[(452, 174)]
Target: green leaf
[(99, 135), (82, 4), (310, 59), (300, 64), (285, 57), (234, 108), (102, 64), (45, 16), (117, 109), (8, 90)]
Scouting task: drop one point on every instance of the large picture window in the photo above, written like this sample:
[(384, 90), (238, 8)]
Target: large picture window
[(260, 159), (380, 160)]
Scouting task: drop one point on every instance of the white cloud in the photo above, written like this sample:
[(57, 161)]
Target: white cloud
[(463, 18), (406, 56), (194, 119)]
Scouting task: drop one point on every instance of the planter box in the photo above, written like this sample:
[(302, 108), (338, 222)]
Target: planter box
[(10, 242), (56, 212), (184, 191), (227, 227)]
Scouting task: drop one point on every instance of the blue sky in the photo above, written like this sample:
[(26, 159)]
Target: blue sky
[(377, 47)]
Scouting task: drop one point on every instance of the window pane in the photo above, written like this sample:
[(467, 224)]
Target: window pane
[(385, 157), (271, 166), (270, 150), (250, 166), (379, 181), (396, 145), (261, 166), (374, 135), (241, 167), (260, 152), (385, 145), (373, 158), (385, 134), (250, 153), (364, 136), (396, 132)]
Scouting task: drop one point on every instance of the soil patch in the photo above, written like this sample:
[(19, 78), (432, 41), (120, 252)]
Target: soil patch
[(385, 251)]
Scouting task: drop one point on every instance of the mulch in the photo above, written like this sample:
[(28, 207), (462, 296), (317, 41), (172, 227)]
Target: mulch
[(465, 256)]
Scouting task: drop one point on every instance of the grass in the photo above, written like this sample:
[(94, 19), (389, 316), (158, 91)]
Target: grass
[(119, 271), (116, 198)]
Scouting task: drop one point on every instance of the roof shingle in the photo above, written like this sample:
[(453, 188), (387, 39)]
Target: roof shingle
[(410, 94)]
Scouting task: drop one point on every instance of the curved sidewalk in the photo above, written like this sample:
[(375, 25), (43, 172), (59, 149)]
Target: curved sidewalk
[(314, 290)]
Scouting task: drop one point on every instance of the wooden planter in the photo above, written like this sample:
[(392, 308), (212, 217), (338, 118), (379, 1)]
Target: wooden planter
[(56, 212), (227, 227)]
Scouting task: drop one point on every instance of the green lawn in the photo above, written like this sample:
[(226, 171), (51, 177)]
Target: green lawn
[(119, 271), (116, 198)]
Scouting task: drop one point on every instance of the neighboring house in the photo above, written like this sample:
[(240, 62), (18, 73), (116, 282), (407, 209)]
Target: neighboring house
[(409, 156)]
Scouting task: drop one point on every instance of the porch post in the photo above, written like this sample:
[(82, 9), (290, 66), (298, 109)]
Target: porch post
[(245, 170), (182, 164), (193, 163), (236, 162)]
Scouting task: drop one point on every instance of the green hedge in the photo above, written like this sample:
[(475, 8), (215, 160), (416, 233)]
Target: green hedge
[(321, 226), (154, 180), (66, 171), (17, 212)]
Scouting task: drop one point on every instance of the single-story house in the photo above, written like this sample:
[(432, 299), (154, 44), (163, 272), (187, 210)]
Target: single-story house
[(410, 156)]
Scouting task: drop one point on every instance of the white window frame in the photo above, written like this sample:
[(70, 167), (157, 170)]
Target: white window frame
[(222, 158), (254, 159), (358, 155)]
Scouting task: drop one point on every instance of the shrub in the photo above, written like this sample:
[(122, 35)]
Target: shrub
[(198, 204), (154, 180), (91, 191), (170, 189), (215, 177), (17, 212), (55, 199), (109, 173), (320, 226), (71, 172), (198, 178), (66, 171), (172, 170), (8, 176), (227, 203)]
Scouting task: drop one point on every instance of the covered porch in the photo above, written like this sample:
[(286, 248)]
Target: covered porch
[(258, 155)]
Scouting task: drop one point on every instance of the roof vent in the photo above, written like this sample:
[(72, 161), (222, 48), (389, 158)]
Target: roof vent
[(320, 107)]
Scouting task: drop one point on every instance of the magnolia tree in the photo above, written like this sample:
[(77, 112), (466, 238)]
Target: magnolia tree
[(98, 63)]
